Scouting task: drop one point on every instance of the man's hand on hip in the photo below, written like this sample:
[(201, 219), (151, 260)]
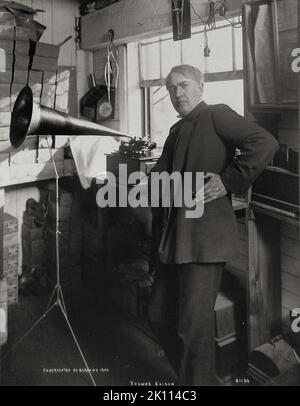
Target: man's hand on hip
[(213, 188)]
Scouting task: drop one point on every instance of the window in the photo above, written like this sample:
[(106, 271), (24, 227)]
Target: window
[(223, 72)]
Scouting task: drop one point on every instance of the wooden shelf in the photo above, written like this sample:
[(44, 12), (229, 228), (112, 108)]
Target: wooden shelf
[(278, 214), (281, 170), (35, 173)]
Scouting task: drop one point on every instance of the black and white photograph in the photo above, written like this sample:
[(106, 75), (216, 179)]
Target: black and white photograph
[(149, 195)]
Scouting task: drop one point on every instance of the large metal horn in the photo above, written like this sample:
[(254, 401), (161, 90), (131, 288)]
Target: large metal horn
[(29, 117)]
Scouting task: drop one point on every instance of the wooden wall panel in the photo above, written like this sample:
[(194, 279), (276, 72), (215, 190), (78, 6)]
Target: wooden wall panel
[(136, 18), (289, 234)]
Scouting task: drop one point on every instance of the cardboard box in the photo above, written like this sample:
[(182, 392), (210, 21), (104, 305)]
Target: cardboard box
[(6, 77), (28, 220), (21, 62), (7, 45), (22, 32), (3, 323), (32, 233), (7, 61), (5, 101), (225, 318), (62, 102), (10, 239), (12, 296), (20, 77), (42, 63), (10, 251), (35, 76), (10, 266), (33, 253), (63, 81), (22, 47), (3, 287), (12, 281), (49, 78), (10, 224), (7, 31), (4, 91), (46, 50), (48, 95), (6, 17)]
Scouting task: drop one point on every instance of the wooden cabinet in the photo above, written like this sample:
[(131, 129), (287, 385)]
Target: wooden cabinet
[(270, 35), (271, 99)]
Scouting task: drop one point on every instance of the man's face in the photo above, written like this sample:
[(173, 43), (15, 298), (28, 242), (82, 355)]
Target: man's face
[(185, 93)]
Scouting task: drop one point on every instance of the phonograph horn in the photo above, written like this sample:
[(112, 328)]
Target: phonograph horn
[(29, 117)]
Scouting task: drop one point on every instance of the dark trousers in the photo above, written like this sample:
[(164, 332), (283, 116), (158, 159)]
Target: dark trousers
[(181, 311)]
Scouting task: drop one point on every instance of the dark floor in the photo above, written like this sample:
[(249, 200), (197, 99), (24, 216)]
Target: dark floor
[(119, 352)]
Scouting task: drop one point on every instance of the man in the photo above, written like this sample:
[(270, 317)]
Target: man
[(192, 252)]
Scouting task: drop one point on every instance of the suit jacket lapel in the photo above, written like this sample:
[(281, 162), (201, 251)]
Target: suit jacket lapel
[(186, 127)]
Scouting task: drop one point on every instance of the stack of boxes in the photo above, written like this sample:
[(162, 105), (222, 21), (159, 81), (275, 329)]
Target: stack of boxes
[(3, 315), (70, 239), (10, 257), (32, 237), (26, 62)]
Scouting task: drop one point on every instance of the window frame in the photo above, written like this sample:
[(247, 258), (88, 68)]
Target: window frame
[(147, 85)]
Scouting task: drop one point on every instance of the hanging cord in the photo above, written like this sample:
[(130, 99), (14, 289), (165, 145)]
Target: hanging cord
[(111, 64), (211, 21), (235, 25)]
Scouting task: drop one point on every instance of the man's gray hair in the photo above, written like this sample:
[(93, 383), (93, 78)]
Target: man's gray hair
[(189, 71)]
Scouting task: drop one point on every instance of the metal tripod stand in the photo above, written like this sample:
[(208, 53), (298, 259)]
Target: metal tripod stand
[(56, 298)]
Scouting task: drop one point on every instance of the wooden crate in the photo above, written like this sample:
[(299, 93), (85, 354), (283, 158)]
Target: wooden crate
[(10, 224), (44, 63), (47, 50), (20, 77), (225, 317), (6, 77)]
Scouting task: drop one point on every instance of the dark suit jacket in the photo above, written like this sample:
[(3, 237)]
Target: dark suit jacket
[(206, 141)]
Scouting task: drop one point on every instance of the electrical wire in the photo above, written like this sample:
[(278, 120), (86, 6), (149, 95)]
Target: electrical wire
[(234, 25), (111, 63), (210, 24)]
